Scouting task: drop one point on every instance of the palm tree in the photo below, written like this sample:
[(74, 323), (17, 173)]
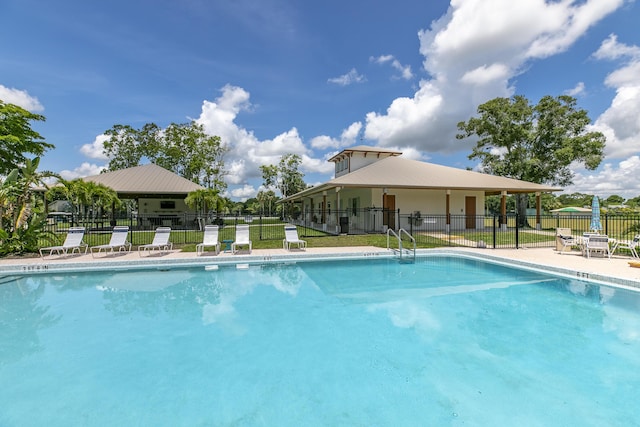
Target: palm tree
[(89, 197), (204, 199)]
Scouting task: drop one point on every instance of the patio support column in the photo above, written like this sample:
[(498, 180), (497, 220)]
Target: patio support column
[(503, 211), (338, 209), (324, 211), (538, 209), (448, 211)]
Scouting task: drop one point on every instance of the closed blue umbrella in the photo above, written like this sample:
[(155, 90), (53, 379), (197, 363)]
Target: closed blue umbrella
[(595, 215)]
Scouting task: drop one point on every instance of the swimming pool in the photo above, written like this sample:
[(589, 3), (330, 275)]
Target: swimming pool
[(444, 341)]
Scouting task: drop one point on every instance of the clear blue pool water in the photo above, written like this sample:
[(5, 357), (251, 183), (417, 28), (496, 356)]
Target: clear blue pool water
[(443, 342)]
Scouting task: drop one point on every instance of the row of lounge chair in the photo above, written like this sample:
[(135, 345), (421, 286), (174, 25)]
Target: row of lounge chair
[(118, 242), (211, 240)]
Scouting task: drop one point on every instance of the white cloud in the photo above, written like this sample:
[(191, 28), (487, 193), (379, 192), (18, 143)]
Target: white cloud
[(472, 53), (312, 164), (246, 152), (346, 79), (405, 70), (611, 178), (619, 123), (347, 138), (578, 90), (323, 142), (85, 169), (486, 74), (245, 192), (95, 150), (21, 98), (611, 49)]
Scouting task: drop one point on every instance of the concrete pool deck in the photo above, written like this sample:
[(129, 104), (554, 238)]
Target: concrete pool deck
[(615, 270)]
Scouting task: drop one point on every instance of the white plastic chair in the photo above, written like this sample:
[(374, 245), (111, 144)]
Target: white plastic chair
[(210, 239), (73, 242), (118, 241), (630, 245), (160, 242), (598, 244), (242, 238), (291, 238)]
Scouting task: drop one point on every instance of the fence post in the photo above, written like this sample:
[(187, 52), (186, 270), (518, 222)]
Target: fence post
[(517, 230), (411, 223), (496, 223)]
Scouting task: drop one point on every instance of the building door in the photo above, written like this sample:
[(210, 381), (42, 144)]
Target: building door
[(389, 210), (470, 212)]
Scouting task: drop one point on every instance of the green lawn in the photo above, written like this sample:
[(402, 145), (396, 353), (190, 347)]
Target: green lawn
[(377, 240)]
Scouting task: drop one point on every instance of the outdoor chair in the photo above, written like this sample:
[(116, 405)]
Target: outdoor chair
[(73, 242), (210, 239), (242, 238), (598, 244), (631, 245), (291, 238), (118, 241), (160, 242), (564, 240)]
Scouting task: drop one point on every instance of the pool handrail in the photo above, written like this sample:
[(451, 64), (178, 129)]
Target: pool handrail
[(398, 235)]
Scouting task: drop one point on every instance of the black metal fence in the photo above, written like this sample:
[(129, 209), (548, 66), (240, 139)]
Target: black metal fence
[(186, 228), (492, 231)]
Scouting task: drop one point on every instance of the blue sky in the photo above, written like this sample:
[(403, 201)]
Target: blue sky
[(311, 78)]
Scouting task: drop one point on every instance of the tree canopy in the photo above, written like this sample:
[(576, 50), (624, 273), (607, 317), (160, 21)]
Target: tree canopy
[(17, 138), (184, 149), (535, 143), (284, 176)]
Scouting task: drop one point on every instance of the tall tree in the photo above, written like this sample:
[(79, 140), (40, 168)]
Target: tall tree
[(184, 149), (126, 146), (204, 200), (284, 176), (188, 151), (266, 199), (17, 139), (535, 143)]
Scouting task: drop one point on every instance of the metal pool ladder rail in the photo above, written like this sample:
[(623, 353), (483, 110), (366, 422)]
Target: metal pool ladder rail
[(401, 250)]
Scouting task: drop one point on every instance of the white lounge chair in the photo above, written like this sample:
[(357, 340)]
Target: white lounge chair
[(73, 242), (242, 238), (631, 245), (291, 238), (160, 242), (118, 241), (599, 244), (564, 240), (210, 239)]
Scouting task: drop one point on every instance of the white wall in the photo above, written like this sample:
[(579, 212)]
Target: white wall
[(358, 160), (428, 202), (152, 207)]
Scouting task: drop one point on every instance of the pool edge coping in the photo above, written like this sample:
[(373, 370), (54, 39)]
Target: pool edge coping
[(50, 266)]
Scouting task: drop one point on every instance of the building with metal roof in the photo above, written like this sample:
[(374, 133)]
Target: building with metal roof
[(159, 192), (367, 177), (148, 180)]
